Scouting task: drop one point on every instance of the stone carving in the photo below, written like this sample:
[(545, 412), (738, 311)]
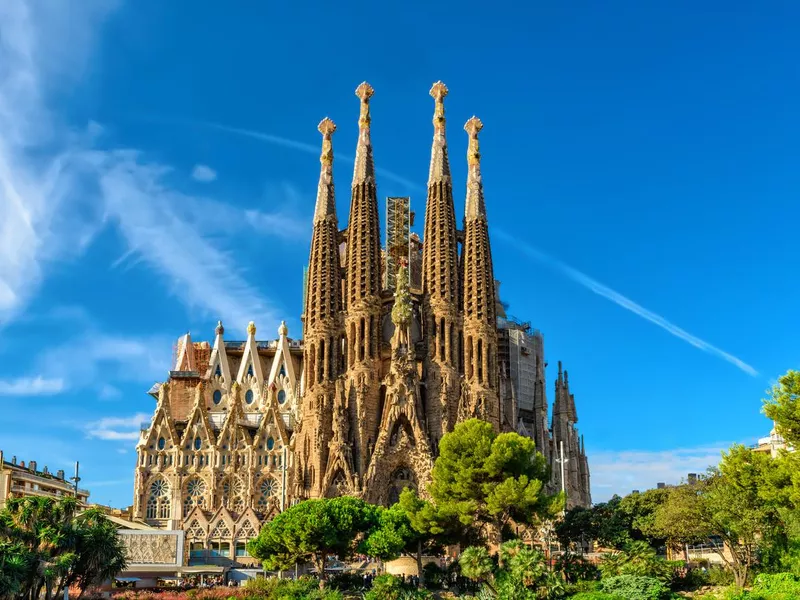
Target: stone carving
[(151, 549)]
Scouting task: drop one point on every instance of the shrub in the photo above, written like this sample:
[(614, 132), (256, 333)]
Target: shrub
[(635, 587), (638, 559), (347, 581), (719, 576), (576, 568), (594, 596), (779, 586), (261, 586), (385, 587), (582, 586)]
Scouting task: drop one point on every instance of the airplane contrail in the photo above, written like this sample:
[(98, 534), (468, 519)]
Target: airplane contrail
[(606, 292), (304, 147)]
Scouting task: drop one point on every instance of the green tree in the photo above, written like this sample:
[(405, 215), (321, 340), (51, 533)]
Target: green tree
[(488, 480), (46, 544), (312, 530), (730, 505), (783, 406), (639, 510)]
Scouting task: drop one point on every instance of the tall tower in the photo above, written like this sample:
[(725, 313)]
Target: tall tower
[(363, 295), (440, 283), (323, 331), (480, 393)]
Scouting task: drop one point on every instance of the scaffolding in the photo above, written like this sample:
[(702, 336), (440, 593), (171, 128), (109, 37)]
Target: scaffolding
[(398, 230)]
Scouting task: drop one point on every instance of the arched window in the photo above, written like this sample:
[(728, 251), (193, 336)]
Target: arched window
[(217, 397), (281, 396), (270, 443), (161, 443), (194, 495), (158, 500), (198, 443), (248, 396)]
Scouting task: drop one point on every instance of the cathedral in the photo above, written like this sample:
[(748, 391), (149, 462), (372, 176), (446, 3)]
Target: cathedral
[(398, 345)]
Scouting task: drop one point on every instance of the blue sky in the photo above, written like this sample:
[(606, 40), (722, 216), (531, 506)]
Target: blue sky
[(158, 165)]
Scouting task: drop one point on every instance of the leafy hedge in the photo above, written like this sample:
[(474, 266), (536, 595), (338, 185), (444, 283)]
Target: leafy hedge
[(635, 587)]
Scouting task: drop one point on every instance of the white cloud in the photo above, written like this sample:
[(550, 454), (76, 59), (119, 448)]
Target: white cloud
[(94, 356), (117, 428), (31, 386), (51, 208), (33, 190), (620, 472), (203, 173), (606, 292)]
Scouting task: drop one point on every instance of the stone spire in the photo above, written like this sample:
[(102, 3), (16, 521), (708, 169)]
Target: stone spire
[(440, 277), (323, 296), (363, 236), (322, 330), (480, 323), (362, 325)]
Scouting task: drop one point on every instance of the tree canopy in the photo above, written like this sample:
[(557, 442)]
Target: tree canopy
[(313, 529), (486, 479)]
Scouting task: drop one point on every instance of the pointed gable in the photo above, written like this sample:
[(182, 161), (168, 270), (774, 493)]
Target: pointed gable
[(250, 366), (222, 525), (218, 365), (247, 526), (161, 423), (196, 524), (185, 360), (232, 435), (198, 424)]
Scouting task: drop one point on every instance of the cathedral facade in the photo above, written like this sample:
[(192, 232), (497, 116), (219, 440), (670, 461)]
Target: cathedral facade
[(242, 429)]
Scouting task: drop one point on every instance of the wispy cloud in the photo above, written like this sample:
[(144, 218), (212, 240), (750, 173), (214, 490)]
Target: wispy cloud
[(57, 189), (31, 386), (92, 356), (203, 173), (117, 428), (622, 471), (310, 149), (33, 189), (609, 294)]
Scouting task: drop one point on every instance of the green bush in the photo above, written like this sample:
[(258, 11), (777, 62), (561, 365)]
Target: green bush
[(582, 586), (346, 581), (304, 588), (594, 596), (778, 586), (635, 587), (386, 587), (719, 576), (260, 586)]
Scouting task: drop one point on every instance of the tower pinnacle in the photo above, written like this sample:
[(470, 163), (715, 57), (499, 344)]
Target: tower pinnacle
[(439, 91), (325, 206), (364, 169), (475, 203)]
